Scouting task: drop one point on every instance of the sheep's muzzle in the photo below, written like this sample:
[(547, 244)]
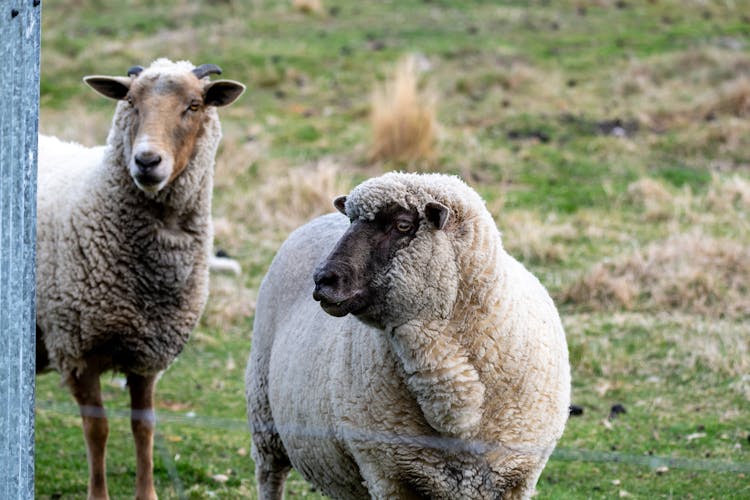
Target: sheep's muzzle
[(332, 291)]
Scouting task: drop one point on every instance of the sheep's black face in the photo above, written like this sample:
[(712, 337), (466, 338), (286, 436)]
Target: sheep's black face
[(353, 278)]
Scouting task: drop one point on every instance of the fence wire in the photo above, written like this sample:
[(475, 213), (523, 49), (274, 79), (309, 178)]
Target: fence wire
[(561, 454)]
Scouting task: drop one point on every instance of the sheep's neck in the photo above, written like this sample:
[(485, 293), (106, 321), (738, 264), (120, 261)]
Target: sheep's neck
[(479, 255), (169, 210), (482, 315), (441, 357)]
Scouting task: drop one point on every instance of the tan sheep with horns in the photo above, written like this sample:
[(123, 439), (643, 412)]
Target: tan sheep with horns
[(437, 366), (123, 241)]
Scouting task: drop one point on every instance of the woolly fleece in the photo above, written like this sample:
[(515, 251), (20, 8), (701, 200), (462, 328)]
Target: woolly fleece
[(464, 394), (122, 275)]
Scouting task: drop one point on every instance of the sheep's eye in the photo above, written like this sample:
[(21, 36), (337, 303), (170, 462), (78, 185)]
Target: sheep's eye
[(404, 226), (132, 104), (194, 106)]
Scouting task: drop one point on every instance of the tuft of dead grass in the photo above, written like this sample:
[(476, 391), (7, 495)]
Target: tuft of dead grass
[(732, 98), (727, 136), (534, 240), (731, 194), (308, 6), (687, 272), (653, 197), (289, 200), (726, 203), (403, 117)]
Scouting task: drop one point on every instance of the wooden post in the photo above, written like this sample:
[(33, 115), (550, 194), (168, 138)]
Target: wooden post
[(19, 117)]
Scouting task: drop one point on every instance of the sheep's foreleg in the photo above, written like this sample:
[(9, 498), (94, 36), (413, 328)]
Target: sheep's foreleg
[(86, 389), (142, 424)]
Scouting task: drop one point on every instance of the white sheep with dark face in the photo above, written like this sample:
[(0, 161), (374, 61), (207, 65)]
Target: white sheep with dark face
[(440, 369), (123, 241)]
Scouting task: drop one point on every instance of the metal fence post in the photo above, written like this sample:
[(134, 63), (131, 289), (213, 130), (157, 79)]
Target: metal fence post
[(19, 116)]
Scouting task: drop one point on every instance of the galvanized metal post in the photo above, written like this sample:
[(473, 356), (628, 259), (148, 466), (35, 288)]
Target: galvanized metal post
[(19, 118)]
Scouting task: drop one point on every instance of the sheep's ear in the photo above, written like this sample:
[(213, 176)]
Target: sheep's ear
[(437, 213), (340, 204), (222, 92), (114, 87)]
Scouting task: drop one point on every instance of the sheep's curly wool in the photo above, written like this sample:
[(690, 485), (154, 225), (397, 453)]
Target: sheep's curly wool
[(463, 394), (122, 275)]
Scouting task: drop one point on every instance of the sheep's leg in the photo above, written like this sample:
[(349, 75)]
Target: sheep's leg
[(272, 464), (86, 389), (142, 424), (270, 474), (525, 489)]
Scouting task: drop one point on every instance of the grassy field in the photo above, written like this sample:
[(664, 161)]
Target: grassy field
[(611, 140)]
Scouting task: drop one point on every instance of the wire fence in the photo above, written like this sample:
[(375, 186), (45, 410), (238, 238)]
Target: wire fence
[(653, 462)]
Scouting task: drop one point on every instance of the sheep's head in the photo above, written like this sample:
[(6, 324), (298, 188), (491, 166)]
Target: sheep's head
[(170, 103), (395, 263)]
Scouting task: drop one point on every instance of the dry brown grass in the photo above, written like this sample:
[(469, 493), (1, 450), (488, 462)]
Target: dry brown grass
[(728, 195), (652, 197), (237, 153), (229, 301), (725, 204), (308, 6), (671, 89), (728, 137), (76, 124), (403, 117), (732, 98), (286, 201), (533, 240), (681, 342), (692, 272)]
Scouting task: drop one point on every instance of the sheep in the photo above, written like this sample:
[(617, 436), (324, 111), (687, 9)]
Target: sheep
[(123, 242), (436, 365)]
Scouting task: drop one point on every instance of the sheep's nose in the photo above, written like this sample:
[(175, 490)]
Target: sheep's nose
[(147, 160), (326, 281), (326, 277)]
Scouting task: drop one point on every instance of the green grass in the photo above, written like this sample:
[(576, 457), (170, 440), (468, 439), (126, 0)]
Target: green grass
[(530, 97)]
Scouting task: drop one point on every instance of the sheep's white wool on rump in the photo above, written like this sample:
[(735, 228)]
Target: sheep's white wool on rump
[(462, 394)]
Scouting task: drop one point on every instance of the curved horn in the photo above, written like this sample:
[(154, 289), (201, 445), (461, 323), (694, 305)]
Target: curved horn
[(135, 70), (205, 70)]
